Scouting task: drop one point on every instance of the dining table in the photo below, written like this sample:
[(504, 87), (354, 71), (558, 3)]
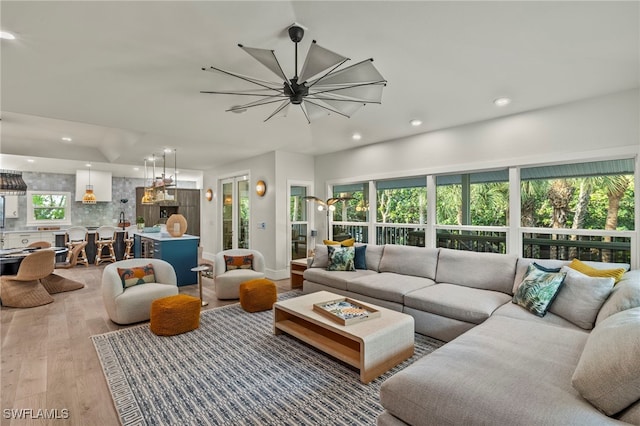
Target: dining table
[(11, 258)]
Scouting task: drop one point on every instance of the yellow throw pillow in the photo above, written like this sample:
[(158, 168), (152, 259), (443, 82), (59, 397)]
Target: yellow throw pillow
[(346, 243), (580, 266)]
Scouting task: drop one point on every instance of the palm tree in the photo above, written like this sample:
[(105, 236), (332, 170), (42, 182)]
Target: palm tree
[(559, 194), (615, 187)]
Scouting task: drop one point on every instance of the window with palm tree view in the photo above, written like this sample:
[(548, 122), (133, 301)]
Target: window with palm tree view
[(582, 210)]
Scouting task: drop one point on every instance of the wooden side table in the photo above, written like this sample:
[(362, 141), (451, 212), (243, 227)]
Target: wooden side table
[(297, 268)]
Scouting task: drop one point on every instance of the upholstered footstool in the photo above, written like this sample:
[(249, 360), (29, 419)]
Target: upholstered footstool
[(258, 295), (175, 315)]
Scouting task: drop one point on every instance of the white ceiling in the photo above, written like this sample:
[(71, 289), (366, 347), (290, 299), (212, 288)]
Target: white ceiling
[(122, 79)]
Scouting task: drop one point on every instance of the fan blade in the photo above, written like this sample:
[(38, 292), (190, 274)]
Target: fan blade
[(364, 92), (318, 109), (318, 60), (259, 102), (304, 111), (282, 107), (355, 74), (252, 80), (268, 59), (235, 93)]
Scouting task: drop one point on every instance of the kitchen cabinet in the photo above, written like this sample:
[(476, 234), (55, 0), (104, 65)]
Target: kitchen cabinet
[(187, 203), (11, 207), (180, 252), (23, 239)]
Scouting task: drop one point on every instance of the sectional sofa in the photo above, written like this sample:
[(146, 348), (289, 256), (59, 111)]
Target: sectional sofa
[(578, 364)]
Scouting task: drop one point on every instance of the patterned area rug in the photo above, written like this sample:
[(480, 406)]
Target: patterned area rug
[(234, 371)]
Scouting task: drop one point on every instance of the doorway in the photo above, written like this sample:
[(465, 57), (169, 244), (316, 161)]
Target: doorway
[(235, 212)]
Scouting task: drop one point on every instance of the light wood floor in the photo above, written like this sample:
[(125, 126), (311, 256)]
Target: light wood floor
[(49, 362)]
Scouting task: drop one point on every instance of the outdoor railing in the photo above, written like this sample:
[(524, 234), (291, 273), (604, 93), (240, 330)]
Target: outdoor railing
[(537, 243)]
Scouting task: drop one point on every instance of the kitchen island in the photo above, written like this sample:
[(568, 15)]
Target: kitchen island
[(180, 252)]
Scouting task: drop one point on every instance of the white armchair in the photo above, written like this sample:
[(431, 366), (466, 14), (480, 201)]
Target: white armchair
[(228, 282), (126, 306)]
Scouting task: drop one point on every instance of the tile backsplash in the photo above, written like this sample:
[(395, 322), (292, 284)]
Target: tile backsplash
[(84, 214)]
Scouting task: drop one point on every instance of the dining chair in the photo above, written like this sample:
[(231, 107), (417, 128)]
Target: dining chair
[(24, 290), (77, 235), (105, 238), (40, 244)]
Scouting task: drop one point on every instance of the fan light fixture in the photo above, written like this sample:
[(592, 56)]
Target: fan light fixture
[(320, 88)]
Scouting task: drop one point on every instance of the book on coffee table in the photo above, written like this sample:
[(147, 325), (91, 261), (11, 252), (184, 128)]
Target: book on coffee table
[(346, 311)]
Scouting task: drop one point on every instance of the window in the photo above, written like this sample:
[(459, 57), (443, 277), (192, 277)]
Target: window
[(401, 211), (479, 199), (349, 215), (572, 198), (298, 207), (48, 208)]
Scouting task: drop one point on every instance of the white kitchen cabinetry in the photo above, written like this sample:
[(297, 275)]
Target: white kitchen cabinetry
[(11, 207), (23, 239)]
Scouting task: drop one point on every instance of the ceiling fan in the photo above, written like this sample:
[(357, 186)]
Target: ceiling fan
[(322, 87)]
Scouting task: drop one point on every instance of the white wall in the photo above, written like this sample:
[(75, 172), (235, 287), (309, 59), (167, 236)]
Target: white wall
[(275, 168)]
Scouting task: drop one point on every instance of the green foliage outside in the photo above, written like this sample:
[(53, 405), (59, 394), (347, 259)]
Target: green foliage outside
[(489, 204), (49, 206)]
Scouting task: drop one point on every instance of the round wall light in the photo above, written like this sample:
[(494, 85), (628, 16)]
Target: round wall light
[(261, 188), (209, 194)]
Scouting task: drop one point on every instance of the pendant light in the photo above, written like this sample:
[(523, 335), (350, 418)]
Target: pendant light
[(89, 197), (148, 196)]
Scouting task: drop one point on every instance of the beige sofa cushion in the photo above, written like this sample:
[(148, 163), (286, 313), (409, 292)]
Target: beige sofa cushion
[(409, 260), (512, 310), (490, 271), (387, 286), (458, 302), (335, 279), (608, 373), (499, 373), (625, 295), (581, 297)]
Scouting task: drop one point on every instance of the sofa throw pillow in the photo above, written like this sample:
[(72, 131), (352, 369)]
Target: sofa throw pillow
[(608, 372), (545, 269), (581, 297), (580, 266), (538, 289), (238, 262), (345, 243), (320, 257), (136, 275), (360, 261), (341, 258)]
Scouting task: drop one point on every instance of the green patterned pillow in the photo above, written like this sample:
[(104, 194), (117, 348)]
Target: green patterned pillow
[(538, 290), (341, 258)]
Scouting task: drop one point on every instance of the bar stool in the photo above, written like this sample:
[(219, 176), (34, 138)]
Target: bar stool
[(105, 237), (77, 235), (128, 242)]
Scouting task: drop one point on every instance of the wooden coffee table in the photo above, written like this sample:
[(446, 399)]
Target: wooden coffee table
[(373, 346)]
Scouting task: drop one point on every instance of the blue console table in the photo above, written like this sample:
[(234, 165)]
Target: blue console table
[(180, 252)]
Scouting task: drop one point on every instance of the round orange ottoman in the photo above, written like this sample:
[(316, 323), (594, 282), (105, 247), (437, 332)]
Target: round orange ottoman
[(175, 315), (258, 295)]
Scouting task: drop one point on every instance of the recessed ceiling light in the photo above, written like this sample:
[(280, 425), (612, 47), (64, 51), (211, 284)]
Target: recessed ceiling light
[(88, 165), (356, 136), (135, 169), (7, 36), (66, 139), (30, 160), (415, 122), (500, 102), (168, 150)]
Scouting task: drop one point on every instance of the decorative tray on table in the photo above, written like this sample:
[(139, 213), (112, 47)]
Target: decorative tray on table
[(346, 311)]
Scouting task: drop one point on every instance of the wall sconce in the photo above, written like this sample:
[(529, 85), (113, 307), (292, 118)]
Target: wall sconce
[(209, 194), (261, 188)]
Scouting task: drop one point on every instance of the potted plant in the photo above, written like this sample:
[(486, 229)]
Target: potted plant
[(140, 223)]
